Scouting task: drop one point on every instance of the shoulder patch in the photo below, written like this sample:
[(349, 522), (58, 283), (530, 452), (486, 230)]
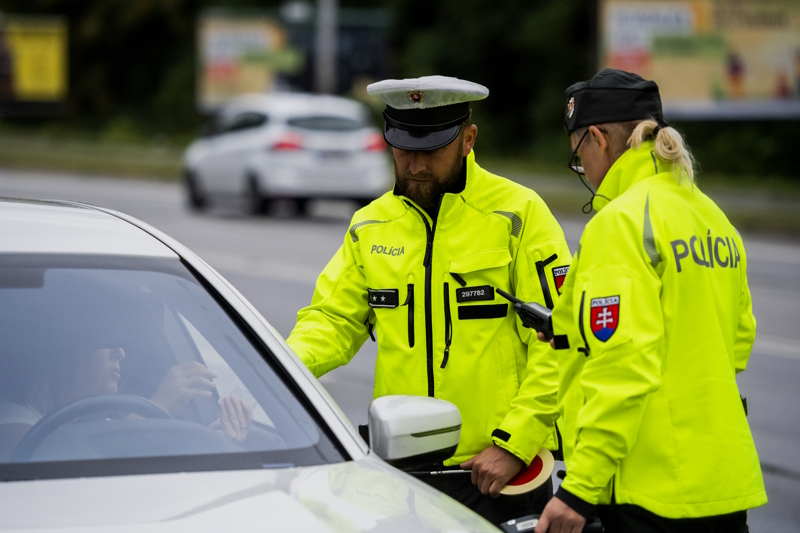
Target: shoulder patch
[(559, 275), (604, 317)]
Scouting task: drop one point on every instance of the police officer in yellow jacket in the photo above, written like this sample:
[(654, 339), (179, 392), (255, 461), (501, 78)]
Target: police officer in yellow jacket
[(420, 265), (658, 317)]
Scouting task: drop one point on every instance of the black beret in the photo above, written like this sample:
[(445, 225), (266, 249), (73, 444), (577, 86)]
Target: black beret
[(611, 96)]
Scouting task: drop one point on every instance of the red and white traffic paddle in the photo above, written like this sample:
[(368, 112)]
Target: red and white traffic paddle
[(528, 479), (532, 477)]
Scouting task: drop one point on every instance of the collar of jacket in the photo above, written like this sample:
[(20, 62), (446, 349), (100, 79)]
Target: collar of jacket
[(452, 202), (631, 167)]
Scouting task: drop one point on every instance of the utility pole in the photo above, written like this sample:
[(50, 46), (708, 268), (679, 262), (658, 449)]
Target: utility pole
[(325, 46)]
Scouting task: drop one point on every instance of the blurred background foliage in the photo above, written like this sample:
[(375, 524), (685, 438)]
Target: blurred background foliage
[(132, 68)]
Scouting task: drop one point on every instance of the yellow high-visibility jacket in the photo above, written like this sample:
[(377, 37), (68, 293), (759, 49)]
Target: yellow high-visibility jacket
[(659, 320), (428, 286)]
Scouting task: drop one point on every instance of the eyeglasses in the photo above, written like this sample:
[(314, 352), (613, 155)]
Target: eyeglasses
[(576, 166), (575, 161)]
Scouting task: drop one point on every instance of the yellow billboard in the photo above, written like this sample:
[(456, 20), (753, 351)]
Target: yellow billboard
[(711, 58), (33, 59)]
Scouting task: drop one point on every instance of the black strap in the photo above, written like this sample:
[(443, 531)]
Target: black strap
[(370, 329), (424, 128), (459, 279), (548, 299), (558, 454), (502, 435), (561, 342), (473, 312)]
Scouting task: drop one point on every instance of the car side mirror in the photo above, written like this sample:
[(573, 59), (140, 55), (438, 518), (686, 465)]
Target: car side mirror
[(411, 431)]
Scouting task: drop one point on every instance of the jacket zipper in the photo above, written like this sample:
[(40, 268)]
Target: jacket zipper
[(426, 262), (448, 325), (585, 349), (410, 303)]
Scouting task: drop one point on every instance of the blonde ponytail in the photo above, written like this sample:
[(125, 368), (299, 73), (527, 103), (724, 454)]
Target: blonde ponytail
[(669, 147)]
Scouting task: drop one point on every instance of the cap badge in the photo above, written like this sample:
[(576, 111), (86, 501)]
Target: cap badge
[(417, 97), (571, 107)]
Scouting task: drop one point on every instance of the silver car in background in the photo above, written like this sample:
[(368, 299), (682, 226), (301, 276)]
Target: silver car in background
[(261, 147)]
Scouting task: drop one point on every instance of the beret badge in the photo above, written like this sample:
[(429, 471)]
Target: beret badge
[(570, 107)]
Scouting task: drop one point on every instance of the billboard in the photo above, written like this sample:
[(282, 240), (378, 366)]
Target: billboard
[(712, 59), (33, 65), (240, 54), (246, 50)]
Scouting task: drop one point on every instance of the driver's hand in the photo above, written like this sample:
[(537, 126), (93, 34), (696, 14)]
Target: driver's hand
[(235, 418), (182, 383)]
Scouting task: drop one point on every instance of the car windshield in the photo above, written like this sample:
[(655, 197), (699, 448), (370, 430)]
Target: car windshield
[(130, 365), (326, 123)]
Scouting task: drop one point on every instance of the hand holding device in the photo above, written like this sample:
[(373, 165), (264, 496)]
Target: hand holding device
[(533, 315)]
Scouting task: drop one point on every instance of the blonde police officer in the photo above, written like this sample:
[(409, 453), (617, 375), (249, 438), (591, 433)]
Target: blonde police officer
[(421, 265), (657, 312)]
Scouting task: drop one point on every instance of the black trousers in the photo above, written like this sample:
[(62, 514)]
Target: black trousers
[(627, 518), (495, 510)]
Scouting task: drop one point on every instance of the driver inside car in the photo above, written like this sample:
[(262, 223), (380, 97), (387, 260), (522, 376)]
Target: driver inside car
[(98, 372)]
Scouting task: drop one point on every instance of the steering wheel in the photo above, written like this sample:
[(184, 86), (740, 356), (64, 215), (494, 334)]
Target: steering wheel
[(91, 404)]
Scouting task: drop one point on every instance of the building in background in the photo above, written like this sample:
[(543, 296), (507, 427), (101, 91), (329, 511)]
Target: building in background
[(245, 51), (712, 59), (33, 65)]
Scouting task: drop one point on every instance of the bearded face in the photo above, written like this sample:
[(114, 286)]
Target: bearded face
[(426, 187)]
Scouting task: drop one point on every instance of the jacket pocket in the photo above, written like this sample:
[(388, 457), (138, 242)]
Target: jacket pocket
[(410, 303), (482, 271), (497, 257)]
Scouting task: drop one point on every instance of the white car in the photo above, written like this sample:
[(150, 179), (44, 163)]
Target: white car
[(141, 392), (262, 147)]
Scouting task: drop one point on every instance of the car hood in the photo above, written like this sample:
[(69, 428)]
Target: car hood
[(364, 495)]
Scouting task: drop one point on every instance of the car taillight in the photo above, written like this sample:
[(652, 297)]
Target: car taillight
[(288, 143), (375, 143)]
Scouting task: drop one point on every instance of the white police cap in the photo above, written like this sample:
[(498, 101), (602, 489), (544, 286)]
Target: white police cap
[(425, 113)]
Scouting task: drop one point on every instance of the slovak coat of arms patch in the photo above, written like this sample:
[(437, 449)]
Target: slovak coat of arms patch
[(559, 275), (604, 317)]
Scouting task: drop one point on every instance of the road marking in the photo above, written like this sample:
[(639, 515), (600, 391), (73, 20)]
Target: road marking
[(261, 268), (778, 347)]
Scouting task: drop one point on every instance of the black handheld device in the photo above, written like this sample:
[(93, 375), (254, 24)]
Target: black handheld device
[(527, 524), (533, 315)]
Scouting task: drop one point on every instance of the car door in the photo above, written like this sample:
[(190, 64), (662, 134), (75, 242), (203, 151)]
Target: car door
[(240, 138)]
